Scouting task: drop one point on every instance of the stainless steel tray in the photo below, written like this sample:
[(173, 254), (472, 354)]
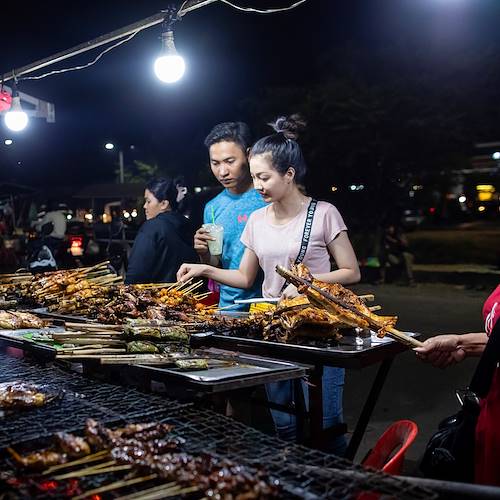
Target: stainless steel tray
[(248, 371)]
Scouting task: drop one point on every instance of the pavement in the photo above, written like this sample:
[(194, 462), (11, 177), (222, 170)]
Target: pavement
[(413, 389)]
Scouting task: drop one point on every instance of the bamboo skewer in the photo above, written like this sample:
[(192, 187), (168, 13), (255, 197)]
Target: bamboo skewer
[(92, 471), (93, 326), (115, 486), (367, 298), (375, 308), (89, 458), (160, 492), (392, 332)]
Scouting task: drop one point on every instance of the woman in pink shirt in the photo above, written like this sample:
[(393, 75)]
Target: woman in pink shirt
[(274, 235)]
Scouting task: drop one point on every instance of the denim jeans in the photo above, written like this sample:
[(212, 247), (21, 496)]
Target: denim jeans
[(286, 424)]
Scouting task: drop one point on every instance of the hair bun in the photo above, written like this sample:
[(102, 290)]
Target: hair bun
[(289, 126)]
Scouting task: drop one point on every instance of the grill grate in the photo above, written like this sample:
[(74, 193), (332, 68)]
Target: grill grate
[(82, 398), (303, 472)]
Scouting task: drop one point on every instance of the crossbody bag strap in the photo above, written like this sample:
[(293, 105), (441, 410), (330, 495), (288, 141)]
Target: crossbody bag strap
[(306, 235), (483, 376)]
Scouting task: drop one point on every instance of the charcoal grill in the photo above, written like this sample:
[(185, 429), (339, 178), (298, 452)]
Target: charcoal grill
[(303, 473), (81, 398)]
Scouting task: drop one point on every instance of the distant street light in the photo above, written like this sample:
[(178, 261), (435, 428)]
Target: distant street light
[(110, 146), (8, 142)]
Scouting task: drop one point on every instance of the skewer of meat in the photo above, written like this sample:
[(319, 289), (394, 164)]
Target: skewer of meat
[(344, 303)]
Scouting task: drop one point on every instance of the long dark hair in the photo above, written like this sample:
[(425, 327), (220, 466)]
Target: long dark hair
[(283, 146), (165, 188)]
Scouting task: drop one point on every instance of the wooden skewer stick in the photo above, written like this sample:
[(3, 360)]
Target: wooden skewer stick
[(402, 337), (159, 493), (375, 308), (367, 298), (89, 458), (115, 486), (92, 471), (193, 287), (153, 489), (94, 325)]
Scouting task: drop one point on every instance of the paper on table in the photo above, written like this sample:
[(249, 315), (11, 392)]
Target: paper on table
[(256, 300)]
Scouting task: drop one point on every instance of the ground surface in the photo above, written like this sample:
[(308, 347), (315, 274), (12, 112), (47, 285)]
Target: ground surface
[(414, 390)]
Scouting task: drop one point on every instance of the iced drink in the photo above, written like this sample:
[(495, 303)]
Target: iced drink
[(217, 232)]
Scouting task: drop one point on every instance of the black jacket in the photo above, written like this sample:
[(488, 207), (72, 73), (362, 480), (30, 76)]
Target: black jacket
[(161, 246)]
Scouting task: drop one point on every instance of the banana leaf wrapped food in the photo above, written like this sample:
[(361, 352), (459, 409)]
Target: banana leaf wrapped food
[(141, 347), (165, 334), (192, 364)]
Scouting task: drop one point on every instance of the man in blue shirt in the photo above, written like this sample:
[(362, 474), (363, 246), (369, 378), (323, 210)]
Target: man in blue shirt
[(228, 145)]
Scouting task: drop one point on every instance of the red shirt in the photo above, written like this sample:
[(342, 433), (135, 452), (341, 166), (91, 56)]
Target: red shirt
[(491, 310)]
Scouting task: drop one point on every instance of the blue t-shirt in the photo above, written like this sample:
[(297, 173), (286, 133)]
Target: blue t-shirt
[(232, 212)]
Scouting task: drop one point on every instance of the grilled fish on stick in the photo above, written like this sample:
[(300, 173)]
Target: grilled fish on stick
[(356, 314)]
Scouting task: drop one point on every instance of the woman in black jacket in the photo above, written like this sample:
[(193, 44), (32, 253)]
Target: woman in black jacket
[(164, 241)]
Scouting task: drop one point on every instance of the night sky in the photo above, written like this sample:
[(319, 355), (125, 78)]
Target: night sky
[(230, 56)]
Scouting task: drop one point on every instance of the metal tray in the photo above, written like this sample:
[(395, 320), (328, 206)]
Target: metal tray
[(16, 338), (350, 352), (251, 371), (42, 311)]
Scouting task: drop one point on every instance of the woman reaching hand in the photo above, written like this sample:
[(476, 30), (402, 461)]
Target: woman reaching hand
[(276, 235)]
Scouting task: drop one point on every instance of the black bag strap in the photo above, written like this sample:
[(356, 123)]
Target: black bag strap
[(306, 235), (483, 376)]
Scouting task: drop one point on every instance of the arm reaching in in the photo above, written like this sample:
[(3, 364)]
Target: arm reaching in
[(238, 278), (444, 350)]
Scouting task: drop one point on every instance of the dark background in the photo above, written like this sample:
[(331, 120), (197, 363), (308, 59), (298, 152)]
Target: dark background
[(388, 86)]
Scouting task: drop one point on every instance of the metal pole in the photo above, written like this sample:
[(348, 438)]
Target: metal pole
[(122, 169), (97, 42)]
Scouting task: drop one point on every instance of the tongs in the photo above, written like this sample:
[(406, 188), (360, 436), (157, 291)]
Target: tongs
[(391, 331)]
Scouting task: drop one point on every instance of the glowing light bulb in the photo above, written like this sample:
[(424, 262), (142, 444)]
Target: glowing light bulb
[(109, 146), (16, 119), (170, 66)]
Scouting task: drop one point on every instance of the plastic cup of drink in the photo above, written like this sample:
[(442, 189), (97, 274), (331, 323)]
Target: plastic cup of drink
[(217, 232)]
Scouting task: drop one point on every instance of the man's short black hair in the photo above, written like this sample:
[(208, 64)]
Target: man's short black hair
[(237, 132)]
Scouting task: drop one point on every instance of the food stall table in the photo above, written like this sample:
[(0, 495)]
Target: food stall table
[(354, 352)]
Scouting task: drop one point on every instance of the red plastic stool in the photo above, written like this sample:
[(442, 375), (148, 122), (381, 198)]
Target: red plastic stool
[(389, 451)]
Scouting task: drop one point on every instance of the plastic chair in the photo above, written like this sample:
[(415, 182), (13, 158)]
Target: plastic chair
[(389, 451)]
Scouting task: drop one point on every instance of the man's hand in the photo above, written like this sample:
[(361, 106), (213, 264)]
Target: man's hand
[(441, 351), (188, 271), (201, 239)]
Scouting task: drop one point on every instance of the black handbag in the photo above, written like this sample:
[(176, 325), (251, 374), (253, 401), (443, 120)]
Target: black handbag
[(449, 455)]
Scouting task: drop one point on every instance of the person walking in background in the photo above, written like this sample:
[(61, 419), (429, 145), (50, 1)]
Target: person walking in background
[(394, 252), (164, 241), (228, 144)]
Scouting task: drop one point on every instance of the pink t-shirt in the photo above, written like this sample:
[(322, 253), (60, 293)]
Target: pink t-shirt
[(280, 244)]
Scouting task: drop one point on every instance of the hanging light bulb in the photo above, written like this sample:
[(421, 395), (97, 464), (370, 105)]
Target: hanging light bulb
[(16, 119), (170, 66)]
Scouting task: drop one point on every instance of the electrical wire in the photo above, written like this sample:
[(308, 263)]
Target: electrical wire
[(266, 11), (83, 66), (180, 13), (247, 9)]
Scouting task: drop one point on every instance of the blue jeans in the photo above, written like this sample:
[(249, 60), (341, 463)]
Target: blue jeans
[(286, 424)]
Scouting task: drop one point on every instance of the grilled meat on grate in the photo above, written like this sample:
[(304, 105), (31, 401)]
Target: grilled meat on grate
[(22, 395)]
